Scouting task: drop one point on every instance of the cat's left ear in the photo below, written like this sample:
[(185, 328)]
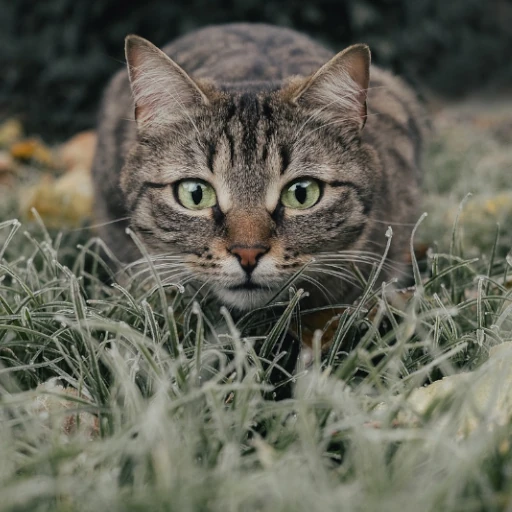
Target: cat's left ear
[(338, 90), (162, 90)]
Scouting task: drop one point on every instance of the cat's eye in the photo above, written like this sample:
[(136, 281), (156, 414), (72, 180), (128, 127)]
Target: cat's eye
[(301, 194), (196, 194)]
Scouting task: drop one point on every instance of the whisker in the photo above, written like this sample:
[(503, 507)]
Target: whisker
[(335, 267), (181, 279), (159, 268), (99, 225), (169, 280), (344, 273), (359, 257), (162, 270), (376, 257), (144, 262), (167, 283), (392, 223), (363, 261)]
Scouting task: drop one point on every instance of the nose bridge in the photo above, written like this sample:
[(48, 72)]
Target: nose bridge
[(249, 229)]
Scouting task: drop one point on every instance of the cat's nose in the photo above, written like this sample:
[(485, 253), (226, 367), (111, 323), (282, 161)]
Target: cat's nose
[(248, 256)]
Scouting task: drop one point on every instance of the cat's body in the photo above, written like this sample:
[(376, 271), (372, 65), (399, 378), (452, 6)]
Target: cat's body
[(247, 130)]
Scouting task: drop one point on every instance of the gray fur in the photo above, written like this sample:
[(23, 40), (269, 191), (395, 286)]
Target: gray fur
[(256, 121)]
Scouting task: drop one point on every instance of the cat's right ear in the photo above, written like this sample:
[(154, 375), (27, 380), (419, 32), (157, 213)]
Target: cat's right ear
[(162, 90), (338, 90)]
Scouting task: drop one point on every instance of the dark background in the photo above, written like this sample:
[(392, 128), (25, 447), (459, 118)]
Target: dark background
[(57, 55)]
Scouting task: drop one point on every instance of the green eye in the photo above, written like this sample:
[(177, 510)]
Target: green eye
[(196, 194), (301, 194)]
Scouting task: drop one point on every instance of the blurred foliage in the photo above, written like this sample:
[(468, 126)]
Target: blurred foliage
[(57, 55)]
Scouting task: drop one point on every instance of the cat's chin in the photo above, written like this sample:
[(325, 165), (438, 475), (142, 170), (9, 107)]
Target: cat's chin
[(243, 299)]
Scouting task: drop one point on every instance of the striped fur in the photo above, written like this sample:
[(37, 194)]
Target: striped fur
[(249, 108)]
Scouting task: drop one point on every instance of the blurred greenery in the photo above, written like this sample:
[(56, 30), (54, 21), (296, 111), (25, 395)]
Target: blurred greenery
[(57, 55)]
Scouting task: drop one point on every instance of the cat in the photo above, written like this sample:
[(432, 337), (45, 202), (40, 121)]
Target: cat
[(242, 153)]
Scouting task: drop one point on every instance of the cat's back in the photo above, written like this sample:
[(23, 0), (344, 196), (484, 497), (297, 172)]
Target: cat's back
[(243, 52)]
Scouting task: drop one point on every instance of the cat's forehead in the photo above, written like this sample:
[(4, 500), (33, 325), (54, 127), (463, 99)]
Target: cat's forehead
[(249, 139), (260, 134), (245, 114)]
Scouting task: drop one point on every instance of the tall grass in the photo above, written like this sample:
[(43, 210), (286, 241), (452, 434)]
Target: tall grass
[(117, 394), (168, 416)]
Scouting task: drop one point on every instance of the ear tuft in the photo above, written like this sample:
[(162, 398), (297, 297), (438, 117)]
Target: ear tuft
[(339, 88), (162, 90)]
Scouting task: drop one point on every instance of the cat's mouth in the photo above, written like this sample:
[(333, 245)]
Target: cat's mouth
[(248, 285), (246, 295)]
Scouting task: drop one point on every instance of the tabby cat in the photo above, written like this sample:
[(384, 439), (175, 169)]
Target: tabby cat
[(241, 153)]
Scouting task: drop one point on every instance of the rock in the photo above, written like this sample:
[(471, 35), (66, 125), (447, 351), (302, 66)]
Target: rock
[(483, 396), (65, 202), (51, 403)]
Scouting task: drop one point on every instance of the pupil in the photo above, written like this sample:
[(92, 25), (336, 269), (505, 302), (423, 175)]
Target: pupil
[(301, 194), (197, 194)]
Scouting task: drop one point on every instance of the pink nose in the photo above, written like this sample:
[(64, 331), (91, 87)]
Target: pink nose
[(248, 256)]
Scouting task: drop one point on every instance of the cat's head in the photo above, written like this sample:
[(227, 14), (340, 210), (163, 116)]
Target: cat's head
[(239, 187)]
